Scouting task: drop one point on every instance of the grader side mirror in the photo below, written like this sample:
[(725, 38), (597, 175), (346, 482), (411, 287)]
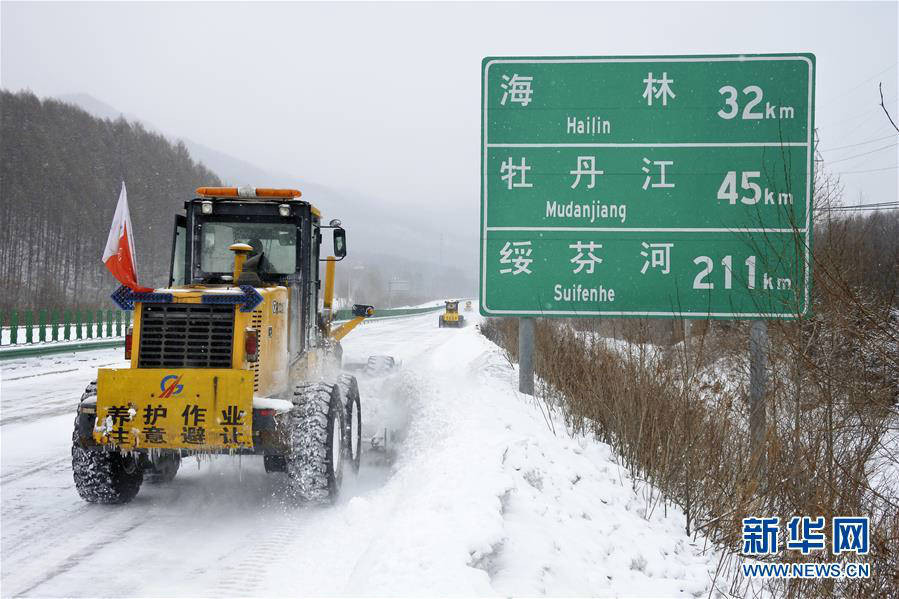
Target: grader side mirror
[(340, 242)]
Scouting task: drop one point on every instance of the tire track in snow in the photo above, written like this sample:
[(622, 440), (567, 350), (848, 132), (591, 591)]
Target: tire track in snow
[(256, 562), (32, 468), (117, 522), (77, 557), (31, 376), (65, 406)]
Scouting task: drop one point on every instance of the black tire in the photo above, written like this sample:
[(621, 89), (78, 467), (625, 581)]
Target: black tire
[(164, 469), (378, 365), (274, 463), (101, 475), (316, 459), (440, 322), (104, 476), (353, 428), (90, 392)]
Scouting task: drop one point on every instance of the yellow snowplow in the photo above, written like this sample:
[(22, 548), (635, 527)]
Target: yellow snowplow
[(451, 316), (233, 357)]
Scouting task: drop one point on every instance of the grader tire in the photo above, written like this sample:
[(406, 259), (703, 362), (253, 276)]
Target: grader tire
[(103, 476), (163, 470), (378, 365), (353, 428), (316, 458)]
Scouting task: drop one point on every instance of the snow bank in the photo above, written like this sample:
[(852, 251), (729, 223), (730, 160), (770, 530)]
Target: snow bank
[(491, 501)]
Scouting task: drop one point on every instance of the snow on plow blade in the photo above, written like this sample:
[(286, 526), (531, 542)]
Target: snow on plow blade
[(202, 410)]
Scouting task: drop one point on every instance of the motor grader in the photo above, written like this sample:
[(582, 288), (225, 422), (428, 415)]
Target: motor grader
[(451, 316), (236, 356)]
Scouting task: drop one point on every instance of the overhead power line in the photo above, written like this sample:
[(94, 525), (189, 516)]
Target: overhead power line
[(868, 170), (893, 205), (861, 83), (870, 205), (886, 147), (849, 211), (861, 143)]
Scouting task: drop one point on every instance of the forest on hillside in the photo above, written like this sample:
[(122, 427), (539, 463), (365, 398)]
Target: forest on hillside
[(61, 170)]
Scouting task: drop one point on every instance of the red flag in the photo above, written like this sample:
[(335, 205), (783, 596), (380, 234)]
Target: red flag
[(119, 253)]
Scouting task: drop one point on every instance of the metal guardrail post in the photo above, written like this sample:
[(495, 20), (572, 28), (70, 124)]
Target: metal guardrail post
[(29, 326), (14, 328), (42, 324)]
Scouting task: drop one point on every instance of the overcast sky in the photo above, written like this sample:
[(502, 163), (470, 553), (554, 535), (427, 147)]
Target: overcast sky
[(384, 98)]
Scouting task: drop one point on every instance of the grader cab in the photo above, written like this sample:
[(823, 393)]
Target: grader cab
[(235, 356)]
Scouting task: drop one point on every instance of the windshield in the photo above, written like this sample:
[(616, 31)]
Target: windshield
[(274, 247)]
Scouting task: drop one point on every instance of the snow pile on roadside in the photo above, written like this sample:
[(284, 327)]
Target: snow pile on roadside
[(489, 501)]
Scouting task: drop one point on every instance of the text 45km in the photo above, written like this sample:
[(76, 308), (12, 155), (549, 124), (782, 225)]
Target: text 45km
[(769, 283), (728, 190)]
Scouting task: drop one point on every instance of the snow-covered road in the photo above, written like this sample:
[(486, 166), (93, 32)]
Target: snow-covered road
[(482, 498)]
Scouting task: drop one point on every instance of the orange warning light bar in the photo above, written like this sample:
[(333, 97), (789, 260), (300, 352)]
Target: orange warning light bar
[(217, 192), (247, 192), (262, 192)]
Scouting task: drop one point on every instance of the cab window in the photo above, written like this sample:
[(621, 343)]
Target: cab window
[(274, 246)]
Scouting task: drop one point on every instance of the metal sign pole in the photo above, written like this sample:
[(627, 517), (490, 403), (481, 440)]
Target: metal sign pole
[(758, 358), (526, 355)]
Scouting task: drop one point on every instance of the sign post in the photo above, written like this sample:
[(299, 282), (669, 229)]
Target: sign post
[(758, 366), (526, 355)]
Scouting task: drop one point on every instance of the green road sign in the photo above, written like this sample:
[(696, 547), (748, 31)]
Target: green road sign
[(672, 186)]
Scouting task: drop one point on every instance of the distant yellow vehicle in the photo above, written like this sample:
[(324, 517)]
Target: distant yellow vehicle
[(451, 317)]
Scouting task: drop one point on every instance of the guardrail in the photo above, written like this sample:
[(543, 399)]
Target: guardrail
[(28, 333), (390, 313), (27, 327)]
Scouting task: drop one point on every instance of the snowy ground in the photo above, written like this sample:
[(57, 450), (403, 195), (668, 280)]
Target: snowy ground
[(482, 498)]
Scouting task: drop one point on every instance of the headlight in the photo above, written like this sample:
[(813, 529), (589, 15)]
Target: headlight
[(284, 210), (206, 207)]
